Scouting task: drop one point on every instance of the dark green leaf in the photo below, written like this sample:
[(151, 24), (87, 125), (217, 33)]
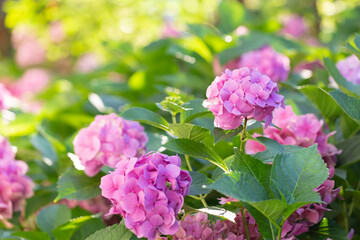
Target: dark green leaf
[(74, 184), (349, 104), (323, 101), (45, 148), (271, 145), (199, 183), (302, 171), (350, 151), (326, 229), (221, 134), (198, 110), (146, 116), (52, 217), (41, 198), (189, 131)]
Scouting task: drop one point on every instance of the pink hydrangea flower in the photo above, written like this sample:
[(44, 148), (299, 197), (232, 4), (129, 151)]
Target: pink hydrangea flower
[(29, 51), (56, 32), (6, 98), (108, 140), (169, 31), (349, 69), (242, 93), (197, 226), (15, 186), (148, 192), (294, 26), (87, 63), (32, 82), (267, 61)]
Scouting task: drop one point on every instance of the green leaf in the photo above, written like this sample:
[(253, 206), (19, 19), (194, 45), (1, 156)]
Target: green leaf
[(146, 116), (302, 171), (326, 229), (112, 232), (195, 149), (350, 151), (189, 131), (349, 104), (89, 227), (74, 184), (322, 100), (24, 124), (262, 189), (32, 235), (66, 230), (52, 217), (199, 183), (231, 14), (45, 148), (268, 157), (41, 198), (221, 134), (271, 145), (197, 110), (339, 79)]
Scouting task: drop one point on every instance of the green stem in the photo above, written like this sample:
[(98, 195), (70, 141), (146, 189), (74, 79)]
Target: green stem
[(279, 237), (201, 197), (243, 211), (173, 117), (242, 136), (353, 200)]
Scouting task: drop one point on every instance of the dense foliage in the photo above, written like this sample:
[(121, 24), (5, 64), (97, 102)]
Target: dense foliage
[(180, 120)]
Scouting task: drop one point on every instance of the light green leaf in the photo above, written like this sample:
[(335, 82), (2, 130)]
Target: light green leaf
[(29, 235), (195, 149), (74, 184), (66, 230), (146, 116), (116, 231), (231, 14), (189, 131)]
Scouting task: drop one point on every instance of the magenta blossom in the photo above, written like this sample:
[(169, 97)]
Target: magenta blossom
[(15, 186), (242, 93), (148, 192), (108, 140), (267, 61), (294, 26)]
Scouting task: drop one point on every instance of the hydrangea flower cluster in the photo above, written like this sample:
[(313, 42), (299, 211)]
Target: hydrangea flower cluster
[(108, 140), (240, 93), (29, 51), (148, 192), (198, 226), (15, 186), (304, 130), (267, 61), (350, 69), (294, 26)]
